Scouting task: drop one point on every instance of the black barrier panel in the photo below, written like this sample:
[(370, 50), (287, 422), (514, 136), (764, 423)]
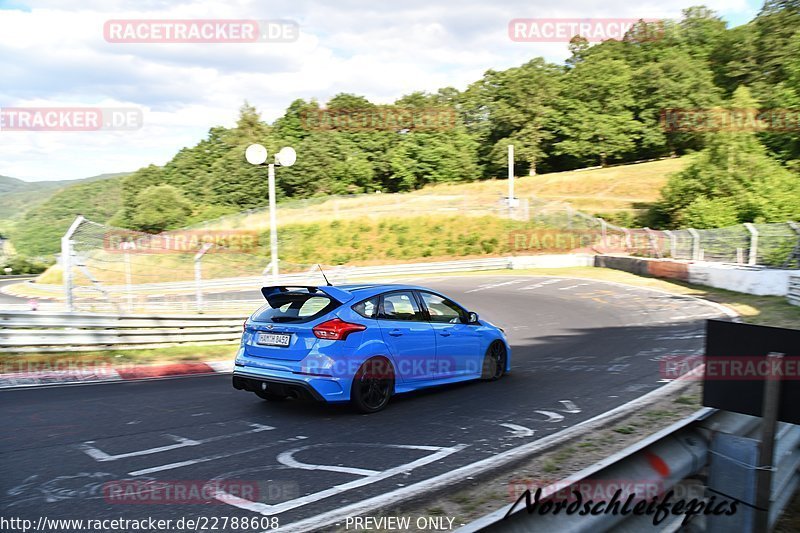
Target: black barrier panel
[(736, 388)]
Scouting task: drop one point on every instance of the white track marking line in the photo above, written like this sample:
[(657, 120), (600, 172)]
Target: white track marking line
[(266, 509), (572, 286), (570, 407), (287, 458), (539, 284), (494, 285), (551, 416), (519, 431), (450, 478), (181, 464), (182, 442)]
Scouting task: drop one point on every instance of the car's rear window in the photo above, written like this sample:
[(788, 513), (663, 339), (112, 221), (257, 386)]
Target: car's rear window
[(295, 307)]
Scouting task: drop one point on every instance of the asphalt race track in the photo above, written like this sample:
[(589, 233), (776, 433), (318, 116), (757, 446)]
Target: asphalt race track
[(580, 348)]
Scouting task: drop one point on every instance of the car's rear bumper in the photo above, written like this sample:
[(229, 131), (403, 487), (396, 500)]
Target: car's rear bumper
[(323, 389)]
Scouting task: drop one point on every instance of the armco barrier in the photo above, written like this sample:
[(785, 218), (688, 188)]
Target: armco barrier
[(337, 274), (794, 290), (39, 332), (663, 460), (740, 278)]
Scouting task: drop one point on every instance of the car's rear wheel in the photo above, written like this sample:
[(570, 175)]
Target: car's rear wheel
[(494, 362), (271, 396), (372, 385)]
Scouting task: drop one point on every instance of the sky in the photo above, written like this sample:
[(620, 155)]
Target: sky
[(54, 54)]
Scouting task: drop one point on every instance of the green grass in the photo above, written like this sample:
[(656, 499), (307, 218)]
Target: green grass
[(686, 400), (437, 222), (335, 242), (219, 352)]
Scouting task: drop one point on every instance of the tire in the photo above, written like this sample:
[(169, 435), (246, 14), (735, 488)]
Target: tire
[(372, 386), (494, 362), (270, 396)]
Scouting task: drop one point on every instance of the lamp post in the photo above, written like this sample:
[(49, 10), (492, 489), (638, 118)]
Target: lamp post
[(256, 154)]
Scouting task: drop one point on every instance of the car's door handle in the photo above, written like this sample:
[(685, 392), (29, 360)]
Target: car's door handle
[(395, 333), (444, 333)]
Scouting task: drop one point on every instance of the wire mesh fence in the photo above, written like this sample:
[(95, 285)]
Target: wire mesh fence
[(116, 269)]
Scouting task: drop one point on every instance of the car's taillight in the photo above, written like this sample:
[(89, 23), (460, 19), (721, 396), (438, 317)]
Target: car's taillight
[(336, 329), (244, 325)]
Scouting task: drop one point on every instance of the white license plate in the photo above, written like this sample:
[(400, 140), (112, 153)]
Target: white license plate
[(273, 339)]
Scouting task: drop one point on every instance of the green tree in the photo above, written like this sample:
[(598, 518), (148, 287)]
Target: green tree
[(423, 158), (733, 173), (674, 82), (160, 207), (596, 121), (514, 106)]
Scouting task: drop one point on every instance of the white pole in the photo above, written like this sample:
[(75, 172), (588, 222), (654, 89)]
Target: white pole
[(66, 260), (753, 254), (128, 283), (198, 284), (273, 229), (66, 267)]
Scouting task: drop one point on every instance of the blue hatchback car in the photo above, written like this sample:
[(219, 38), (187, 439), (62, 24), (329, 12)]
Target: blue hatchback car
[(363, 343)]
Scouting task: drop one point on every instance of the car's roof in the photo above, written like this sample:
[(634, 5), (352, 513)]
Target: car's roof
[(368, 289)]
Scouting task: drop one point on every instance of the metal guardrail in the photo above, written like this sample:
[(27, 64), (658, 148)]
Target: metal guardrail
[(681, 451), (337, 274), (34, 331), (794, 290)]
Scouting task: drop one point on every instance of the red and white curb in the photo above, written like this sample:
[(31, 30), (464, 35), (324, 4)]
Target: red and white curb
[(106, 373)]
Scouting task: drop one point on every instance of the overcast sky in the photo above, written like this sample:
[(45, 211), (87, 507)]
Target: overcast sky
[(54, 54)]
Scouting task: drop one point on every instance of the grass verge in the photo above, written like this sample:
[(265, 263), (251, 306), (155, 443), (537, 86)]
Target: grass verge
[(69, 360)]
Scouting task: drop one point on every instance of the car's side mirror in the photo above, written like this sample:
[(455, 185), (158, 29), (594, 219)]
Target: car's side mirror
[(472, 317)]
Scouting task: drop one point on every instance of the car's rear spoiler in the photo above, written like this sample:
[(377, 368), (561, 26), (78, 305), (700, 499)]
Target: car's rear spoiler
[(339, 295)]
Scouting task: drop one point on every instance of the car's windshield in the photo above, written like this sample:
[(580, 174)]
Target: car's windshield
[(294, 307)]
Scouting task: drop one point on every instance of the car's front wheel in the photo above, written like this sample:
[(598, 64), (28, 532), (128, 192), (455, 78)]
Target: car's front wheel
[(372, 386), (494, 362)]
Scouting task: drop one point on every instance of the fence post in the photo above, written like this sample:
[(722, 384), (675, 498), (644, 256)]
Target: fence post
[(66, 261), (628, 243), (695, 243), (653, 244), (672, 243), (753, 254), (198, 276), (128, 282), (603, 231), (795, 255)]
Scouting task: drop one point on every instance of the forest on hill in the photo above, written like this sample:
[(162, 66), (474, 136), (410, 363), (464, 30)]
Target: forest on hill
[(605, 105)]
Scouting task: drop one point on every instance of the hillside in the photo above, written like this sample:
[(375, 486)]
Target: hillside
[(18, 196), (38, 231), (615, 193)]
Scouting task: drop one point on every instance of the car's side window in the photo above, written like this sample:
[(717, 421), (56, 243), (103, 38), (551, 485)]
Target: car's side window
[(400, 305), (368, 308), (443, 310)]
